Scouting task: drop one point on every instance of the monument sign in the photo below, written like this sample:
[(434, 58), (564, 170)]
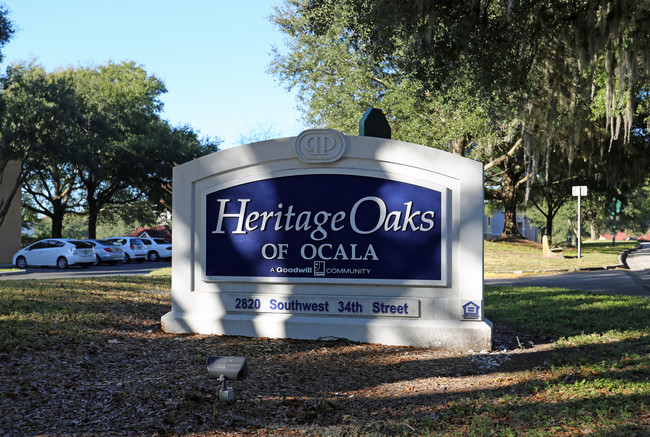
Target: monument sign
[(325, 235)]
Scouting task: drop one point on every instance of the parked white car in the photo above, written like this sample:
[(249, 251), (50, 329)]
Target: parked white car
[(133, 248), (56, 252), (157, 248), (109, 252)]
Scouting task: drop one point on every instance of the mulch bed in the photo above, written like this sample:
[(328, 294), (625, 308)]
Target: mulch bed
[(147, 382)]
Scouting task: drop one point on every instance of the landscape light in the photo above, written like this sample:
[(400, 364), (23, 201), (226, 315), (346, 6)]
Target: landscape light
[(224, 369)]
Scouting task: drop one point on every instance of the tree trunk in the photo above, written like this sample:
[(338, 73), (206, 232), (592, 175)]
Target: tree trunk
[(92, 223), (549, 227), (57, 225), (93, 212), (458, 146), (5, 203), (509, 197)]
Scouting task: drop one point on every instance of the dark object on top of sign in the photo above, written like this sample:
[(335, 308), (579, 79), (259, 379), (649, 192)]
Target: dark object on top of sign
[(374, 124)]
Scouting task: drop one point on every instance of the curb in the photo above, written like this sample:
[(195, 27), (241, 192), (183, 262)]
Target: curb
[(14, 273), (585, 269), (622, 257)]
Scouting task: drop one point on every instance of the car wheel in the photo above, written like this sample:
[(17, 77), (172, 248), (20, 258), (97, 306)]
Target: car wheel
[(21, 262), (153, 256), (98, 260), (62, 263), (126, 259)]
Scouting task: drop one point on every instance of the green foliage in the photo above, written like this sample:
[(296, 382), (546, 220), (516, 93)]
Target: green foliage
[(128, 150), (115, 228), (539, 56), (7, 28), (122, 221), (514, 85), (90, 138), (43, 229), (75, 226), (564, 223), (635, 216), (38, 120), (7, 154), (110, 225), (337, 81)]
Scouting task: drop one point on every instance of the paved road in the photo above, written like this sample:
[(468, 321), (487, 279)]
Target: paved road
[(633, 282), (77, 272)]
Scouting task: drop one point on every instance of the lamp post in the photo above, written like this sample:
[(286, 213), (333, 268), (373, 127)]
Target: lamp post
[(615, 207)]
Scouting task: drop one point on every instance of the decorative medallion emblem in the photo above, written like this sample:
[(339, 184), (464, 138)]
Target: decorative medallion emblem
[(320, 145)]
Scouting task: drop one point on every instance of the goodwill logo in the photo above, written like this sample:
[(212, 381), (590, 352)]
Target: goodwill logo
[(324, 226)]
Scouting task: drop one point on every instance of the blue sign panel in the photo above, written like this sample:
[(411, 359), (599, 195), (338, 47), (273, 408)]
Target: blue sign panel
[(331, 226)]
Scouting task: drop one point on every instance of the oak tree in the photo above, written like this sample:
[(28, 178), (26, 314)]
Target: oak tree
[(531, 71)]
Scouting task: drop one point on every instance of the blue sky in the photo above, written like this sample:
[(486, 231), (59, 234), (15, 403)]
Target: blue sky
[(211, 55)]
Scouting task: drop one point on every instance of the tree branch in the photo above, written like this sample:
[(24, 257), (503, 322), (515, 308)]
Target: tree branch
[(501, 159)]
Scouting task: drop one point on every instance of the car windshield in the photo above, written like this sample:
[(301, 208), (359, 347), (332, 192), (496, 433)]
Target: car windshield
[(160, 241)]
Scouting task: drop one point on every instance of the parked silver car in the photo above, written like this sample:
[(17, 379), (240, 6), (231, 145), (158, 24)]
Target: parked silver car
[(157, 248), (133, 248), (56, 252), (107, 252)]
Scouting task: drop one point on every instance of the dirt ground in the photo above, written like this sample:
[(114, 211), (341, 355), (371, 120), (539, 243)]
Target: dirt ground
[(146, 382)]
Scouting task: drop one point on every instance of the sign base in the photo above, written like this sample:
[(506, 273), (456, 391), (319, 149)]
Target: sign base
[(444, 334)]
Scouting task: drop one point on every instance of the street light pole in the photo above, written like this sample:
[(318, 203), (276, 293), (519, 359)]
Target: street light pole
[(615, 207)]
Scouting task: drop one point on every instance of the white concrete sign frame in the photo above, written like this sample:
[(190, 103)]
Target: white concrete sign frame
[(446, 312)]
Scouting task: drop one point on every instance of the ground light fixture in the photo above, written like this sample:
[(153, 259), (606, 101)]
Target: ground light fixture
[(226, 369)]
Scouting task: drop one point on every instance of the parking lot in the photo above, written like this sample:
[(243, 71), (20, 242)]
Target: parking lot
[(77, 272)]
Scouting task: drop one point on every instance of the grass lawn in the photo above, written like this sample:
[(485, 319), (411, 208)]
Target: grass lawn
[(526, 256), (87, 357), (599, 380), (164, 272)]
